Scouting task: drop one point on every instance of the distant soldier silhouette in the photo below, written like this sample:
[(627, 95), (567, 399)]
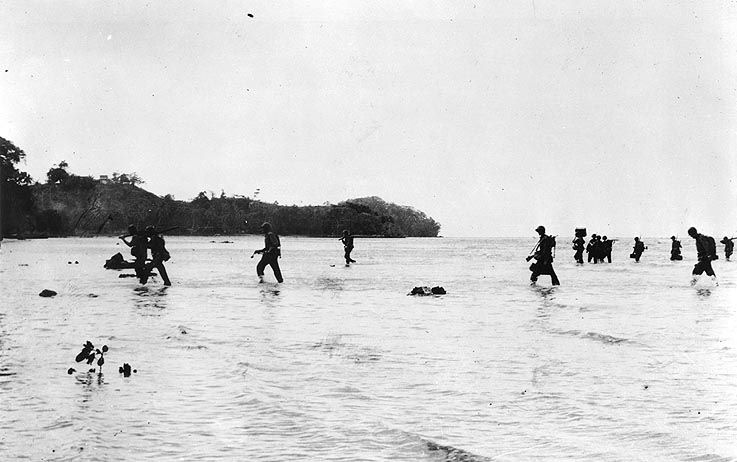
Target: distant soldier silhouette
[(597, 249), (579, 244), (675, 249), (347, 241), (706, 251), (728, 246), (638, 249), (159, 255), (590, 250), (606, 249), (269, 254), (543, 253), (139, 248)]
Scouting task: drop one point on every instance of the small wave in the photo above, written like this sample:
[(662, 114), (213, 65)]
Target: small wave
[(709, 458), (59, 423), (334, 346), (605, 338)]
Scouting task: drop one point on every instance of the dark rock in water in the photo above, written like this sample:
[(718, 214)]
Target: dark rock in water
[(71, 371), (424, 290), (118, 262), (125, 369), (449, 453), (47, 293), (421, 291)]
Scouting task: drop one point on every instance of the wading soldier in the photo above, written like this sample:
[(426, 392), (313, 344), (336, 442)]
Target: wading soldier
[(347, 241), (139, 248), (728, 246), (579, 244), (159, 255), (675, 249), (269, 254), (544, 257), (638, 249), (706, 251)]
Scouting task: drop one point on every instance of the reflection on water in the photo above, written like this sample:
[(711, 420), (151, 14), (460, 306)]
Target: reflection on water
[(149, 300), (620, 362), (703, 292), (269, 294)]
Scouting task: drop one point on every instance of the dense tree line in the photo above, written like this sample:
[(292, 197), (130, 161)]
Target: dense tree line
[(16, 197), (234, 215), (68, 204)]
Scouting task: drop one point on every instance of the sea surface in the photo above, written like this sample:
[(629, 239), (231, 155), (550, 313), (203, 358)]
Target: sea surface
[(622, 362)]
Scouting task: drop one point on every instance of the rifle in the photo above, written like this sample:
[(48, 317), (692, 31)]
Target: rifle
[(532, 252)]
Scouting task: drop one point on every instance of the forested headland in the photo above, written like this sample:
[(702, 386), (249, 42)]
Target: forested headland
[(70, 205)]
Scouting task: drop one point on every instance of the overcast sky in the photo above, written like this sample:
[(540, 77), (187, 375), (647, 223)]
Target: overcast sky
[(491, 117)]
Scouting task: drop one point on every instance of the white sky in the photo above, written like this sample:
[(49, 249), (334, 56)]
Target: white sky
[(492, 117)]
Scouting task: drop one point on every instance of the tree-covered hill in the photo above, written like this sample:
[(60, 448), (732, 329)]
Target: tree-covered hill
[(109, 208), (72, 205)]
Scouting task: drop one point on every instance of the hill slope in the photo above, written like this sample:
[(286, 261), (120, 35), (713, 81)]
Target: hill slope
[(92, 208)]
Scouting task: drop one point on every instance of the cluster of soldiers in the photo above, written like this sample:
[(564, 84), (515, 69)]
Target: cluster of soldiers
[(140, 243), (600, 248), (597, 249)]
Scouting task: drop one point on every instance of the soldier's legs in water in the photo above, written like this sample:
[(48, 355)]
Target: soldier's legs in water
[(277, 271), (162, 273), (554, 277), (141, 270), (698, 270), (260, 267)]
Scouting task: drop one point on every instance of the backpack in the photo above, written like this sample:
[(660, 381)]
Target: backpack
[(711, 246)]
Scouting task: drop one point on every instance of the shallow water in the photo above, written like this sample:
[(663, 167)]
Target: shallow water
[(623, 361)]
